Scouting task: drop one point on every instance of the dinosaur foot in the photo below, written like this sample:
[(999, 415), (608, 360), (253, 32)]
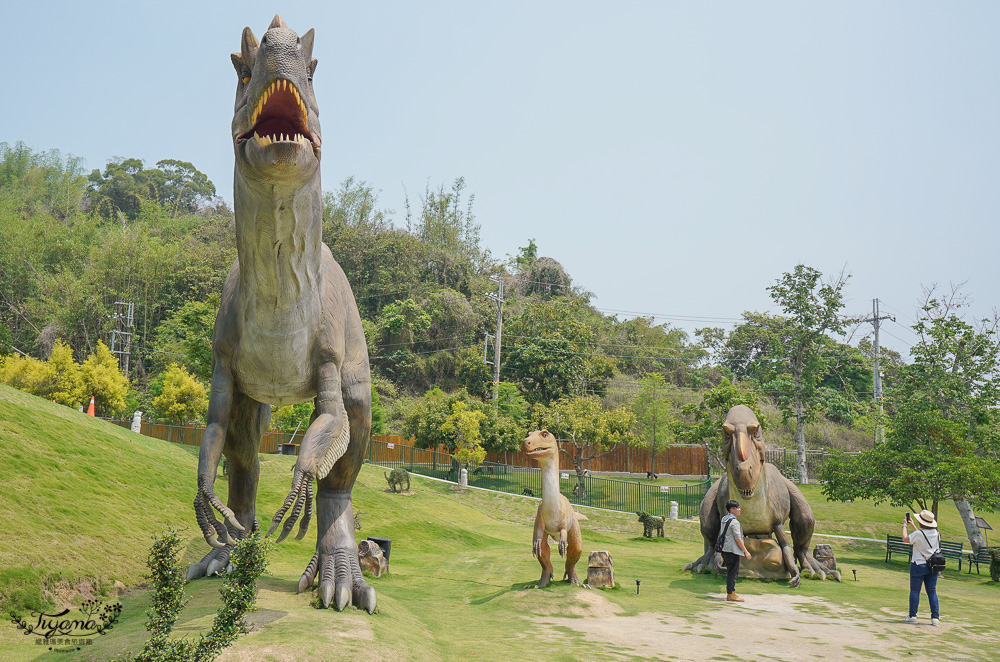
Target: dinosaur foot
[(572, 578), (545, 579), (813, 567), (216, 561), (340, 580), (705, 564)]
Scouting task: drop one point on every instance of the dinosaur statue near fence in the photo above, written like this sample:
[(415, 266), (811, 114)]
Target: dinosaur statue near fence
[(555, 517), (287, 331), (768, 500)]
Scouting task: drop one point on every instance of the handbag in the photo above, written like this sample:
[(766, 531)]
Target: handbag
[(935, 562), (721, 541)]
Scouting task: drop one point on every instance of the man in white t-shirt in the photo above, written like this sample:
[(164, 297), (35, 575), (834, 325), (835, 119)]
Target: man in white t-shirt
[(733, 548), (925, 540)]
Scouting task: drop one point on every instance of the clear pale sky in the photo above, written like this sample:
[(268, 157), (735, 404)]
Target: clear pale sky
[(676, 158)]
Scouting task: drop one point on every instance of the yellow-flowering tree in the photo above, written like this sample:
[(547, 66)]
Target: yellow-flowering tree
[(183, 398), (463, 425), (103, 381)]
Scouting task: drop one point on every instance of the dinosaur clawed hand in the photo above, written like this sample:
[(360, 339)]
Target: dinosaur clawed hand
[(705, 564), (301, 497), (562, 548), (340, 580), (811, 566), (536, 548), (211, 528)]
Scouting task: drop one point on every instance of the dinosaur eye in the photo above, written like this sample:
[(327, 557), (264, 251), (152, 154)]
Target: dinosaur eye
[(245, 79)]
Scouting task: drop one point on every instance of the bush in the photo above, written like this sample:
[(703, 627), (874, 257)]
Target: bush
[(239, 596)]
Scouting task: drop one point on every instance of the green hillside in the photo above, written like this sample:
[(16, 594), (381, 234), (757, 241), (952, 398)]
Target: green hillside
[(82, 498)]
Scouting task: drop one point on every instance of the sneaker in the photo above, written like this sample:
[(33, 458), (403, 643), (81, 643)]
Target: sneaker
[(935, 621), (910, 619)]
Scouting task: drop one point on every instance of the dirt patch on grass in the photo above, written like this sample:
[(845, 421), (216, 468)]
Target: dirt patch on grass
[(765, 627)]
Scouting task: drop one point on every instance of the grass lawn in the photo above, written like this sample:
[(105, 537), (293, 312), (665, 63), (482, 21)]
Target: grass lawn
[(82, 499)]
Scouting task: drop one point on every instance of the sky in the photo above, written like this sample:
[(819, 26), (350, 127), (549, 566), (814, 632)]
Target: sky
[(676, 158)]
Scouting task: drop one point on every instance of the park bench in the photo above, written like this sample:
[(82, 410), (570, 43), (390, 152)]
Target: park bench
[(982, 556), (896, 544), (952, 550)]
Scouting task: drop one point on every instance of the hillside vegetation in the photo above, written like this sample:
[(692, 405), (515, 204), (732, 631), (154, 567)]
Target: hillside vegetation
[(88, 496)]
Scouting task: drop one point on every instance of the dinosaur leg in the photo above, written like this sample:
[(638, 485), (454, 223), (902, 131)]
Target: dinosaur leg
[(574, 549), (336, 559), (801, 523), (247, 424), (543, 559), (710, 527), (787, 556)]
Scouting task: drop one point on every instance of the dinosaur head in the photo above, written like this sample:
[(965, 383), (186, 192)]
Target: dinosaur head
[(276, 131), (541, 446), (744, 449)]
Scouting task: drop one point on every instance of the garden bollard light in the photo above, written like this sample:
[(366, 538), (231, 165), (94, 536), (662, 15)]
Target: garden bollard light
[(855, 574), (637, 586)]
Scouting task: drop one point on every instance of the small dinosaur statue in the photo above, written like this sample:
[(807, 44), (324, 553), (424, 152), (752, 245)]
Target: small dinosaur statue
[(651, 523), (396, 479), (288, 328), (767, 498), (555, 517)]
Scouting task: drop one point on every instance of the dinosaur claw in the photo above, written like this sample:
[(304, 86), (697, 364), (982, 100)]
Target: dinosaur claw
[(326, 594), (214, 568), (364, 597), (343, 597), (305, 583), (195, 571)]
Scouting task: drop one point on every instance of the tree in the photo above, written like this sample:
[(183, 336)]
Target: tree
[(125, 185), (553, 350), (655, 420), (185, 337), (464, 427), (942, 441), (813, 309), (183, 398), (103, 381), (593, 431)]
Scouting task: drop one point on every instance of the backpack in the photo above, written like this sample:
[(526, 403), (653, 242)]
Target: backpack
[(935, 562), (721, 542)]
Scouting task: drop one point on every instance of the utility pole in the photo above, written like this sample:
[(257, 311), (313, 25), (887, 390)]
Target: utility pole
[(121, 336), (876, 320), (498, 301)]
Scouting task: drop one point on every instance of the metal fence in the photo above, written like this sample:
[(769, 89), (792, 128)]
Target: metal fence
[(787, 462), (606, 493)]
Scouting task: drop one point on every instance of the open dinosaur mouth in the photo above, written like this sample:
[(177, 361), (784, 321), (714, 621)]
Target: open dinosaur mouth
[(279, 115), (537, 451), (746, 494)]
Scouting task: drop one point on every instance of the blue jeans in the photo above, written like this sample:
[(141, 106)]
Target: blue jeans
[(920, 575)]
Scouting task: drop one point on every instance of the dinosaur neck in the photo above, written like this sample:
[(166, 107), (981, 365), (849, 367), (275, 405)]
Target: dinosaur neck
[(279, 230), (550, 482)]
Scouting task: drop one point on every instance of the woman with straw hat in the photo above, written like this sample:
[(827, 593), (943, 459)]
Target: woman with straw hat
[(925, 541)]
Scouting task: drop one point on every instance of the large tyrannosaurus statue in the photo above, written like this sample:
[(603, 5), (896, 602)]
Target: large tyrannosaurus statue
[(767, 498), (288, 328)]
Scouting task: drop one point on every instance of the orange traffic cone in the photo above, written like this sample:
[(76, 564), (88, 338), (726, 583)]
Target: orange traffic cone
[(90, 409)]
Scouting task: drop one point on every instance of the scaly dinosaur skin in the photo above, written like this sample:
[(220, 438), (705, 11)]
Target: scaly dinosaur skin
[(555, 517), (767, 498), (288, 328)]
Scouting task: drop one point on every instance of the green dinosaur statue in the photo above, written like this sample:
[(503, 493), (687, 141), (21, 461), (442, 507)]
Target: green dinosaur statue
[(768, 500), (288, 328)]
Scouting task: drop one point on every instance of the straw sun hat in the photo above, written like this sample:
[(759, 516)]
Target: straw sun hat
[(926, 519)]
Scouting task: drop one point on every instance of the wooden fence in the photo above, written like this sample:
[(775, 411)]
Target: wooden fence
[(190, 435), (674, 460)]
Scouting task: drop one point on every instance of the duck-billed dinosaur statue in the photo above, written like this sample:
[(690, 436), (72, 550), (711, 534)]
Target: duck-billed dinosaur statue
[(288, 328), (555, 517), (767, 499)]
